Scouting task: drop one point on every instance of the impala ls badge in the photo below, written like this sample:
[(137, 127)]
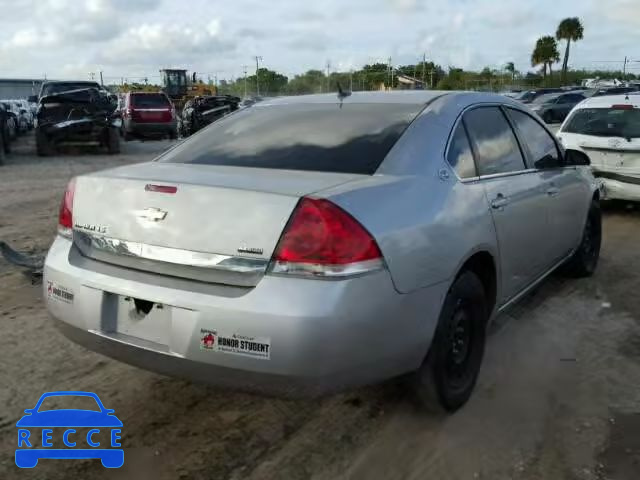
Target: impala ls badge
[(152, 214)]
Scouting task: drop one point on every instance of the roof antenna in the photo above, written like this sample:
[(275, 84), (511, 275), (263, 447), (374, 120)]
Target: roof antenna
[(342, 94)]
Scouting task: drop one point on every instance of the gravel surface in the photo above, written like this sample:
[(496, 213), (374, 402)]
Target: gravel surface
[(558, 396)]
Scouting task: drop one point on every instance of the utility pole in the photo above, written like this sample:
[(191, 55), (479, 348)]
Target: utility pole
[(328, 73), (431, 78), (101, 80), (389, 71), (258, 59), (624, 68), (351, 80), (244, 71), (424, 66)]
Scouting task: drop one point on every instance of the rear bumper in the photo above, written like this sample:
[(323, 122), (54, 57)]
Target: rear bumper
[(137, 128), (616, 189), (324, 335)]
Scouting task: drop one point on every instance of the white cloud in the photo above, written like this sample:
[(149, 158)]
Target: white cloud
[(166, 42), (138, 37)]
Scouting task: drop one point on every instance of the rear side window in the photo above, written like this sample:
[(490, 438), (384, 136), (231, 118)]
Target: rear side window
[(537, 140), (494, 141), (149, 100), (460, 156), (327, 137)]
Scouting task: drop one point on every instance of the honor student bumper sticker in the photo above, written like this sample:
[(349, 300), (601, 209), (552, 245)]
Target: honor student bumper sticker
[(256, 347), (58, 292)]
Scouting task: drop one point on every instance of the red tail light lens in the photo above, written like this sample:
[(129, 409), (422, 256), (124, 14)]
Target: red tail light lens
[(65, 218), (321, 239), (623, 106)]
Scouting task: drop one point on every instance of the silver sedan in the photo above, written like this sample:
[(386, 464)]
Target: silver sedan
[(310, 244)]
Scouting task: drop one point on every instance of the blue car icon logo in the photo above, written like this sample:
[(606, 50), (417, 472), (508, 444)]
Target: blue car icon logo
[(33, 446)]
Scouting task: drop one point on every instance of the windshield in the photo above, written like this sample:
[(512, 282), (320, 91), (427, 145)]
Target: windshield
[(525, 95), (53, 88), (605, 122), (76, 402), (326, 137), (548, 98)]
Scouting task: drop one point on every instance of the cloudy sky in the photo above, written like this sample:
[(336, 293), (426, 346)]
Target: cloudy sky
[(135, 38)]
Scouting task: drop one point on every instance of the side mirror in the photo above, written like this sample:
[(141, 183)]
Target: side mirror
[(546, 162), (576, 158), (33, 99)]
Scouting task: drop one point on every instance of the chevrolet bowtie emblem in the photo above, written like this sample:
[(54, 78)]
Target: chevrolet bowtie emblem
[(152, 214)]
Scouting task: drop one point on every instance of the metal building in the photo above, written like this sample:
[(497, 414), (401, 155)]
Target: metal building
[(19, 87)]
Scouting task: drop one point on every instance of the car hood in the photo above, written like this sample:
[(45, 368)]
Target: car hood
[(69, 418)]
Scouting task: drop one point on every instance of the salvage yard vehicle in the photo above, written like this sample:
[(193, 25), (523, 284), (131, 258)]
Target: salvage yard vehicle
[(554, 107), (148, 114), (14, 124), (202, 111), (315, 243), (607, 129), (76, 117)]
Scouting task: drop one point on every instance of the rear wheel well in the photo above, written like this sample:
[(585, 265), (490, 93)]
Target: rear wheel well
[(483, 265)]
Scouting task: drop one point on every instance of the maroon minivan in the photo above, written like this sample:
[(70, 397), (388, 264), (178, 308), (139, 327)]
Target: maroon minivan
[(148, 115)]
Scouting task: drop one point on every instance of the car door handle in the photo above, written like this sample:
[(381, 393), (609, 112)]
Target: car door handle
[(499, 202), (552, 191)]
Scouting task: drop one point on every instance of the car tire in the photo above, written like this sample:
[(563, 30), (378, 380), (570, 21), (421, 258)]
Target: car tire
[(12, 129), (173, 134), (547, 117), (113, 141), (2, 153), (448, 375), (6, 140), (44, 148), (584, 261)]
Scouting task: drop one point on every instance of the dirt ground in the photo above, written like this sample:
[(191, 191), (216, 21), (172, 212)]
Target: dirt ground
[(558, 396)]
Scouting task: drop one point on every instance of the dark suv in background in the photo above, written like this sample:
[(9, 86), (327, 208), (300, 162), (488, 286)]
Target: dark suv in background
[(79, 113), (148, 115)]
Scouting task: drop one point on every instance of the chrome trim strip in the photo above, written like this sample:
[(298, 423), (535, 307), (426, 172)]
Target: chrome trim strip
[(326, 271), (213, 261)]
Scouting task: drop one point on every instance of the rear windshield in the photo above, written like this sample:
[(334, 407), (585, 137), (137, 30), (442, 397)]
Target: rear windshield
[(150, 100), (605, 122), (53, 88), (327, 137)]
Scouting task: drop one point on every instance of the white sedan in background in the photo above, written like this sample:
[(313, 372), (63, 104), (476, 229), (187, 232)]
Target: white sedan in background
[(607, 129)]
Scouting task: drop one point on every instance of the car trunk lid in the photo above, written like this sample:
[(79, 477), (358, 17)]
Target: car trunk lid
[(210, 223)]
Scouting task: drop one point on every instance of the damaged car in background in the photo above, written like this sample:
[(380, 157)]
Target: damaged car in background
[(202, 111), (79, 113)]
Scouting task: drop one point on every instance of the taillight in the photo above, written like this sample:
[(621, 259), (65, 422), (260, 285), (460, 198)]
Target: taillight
[(321, 239), (65, 218), (623, 106)]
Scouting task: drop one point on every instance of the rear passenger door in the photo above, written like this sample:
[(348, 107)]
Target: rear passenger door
[(562, 187), (513, 193)]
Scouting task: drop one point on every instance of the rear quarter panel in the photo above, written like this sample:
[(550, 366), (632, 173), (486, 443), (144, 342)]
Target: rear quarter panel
[(426, 221)]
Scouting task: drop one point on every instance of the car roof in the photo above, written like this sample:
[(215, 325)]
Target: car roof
[(605, 101), (415, 97), (53, 82)]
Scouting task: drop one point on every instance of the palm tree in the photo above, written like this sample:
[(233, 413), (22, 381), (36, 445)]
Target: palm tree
[(545, 53), (570, 29), (511, 68)]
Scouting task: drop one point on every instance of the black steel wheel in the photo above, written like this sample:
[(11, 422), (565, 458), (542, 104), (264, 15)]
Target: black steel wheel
[(448, 375)]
